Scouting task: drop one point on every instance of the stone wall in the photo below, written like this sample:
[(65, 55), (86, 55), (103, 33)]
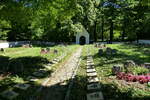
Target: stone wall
[(20, 43), (13, 44)]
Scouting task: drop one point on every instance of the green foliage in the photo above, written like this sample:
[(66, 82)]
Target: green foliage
[(4, 29), (46, 20), (140, 70)]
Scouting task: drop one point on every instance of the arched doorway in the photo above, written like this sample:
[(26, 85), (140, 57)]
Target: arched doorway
[(82, 40)]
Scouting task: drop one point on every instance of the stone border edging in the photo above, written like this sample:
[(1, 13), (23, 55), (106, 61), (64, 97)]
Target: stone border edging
[(72, 81)]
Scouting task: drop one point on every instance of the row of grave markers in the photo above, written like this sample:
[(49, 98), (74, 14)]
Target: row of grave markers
[(10, 94), (93, 86)]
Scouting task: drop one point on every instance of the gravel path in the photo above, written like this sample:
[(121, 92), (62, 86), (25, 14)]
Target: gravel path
[(57, 86)]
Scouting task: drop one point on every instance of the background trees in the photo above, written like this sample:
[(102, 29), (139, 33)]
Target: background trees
[(59, 20)]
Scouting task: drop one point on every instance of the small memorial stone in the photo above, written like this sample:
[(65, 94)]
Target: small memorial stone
[(148, 84), (129, 63), (93, 86), (114, 51), (108, 51), (100, 52), (92, 74), (95, 96), (116, 69), (93, 79), (2, 50), (147, 65), (9, 94), (22, 86), (55, 51)]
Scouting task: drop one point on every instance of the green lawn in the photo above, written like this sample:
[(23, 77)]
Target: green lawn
[(112, 88), (31, 60)]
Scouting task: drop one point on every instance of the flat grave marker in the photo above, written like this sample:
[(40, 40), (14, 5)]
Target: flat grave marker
[(32, 79), (38, 74), (93, 86), (9, 94), (90, 64), (22, 86), (92, 74), (90, 67), (93, 79), (95, 96), (90, 70)]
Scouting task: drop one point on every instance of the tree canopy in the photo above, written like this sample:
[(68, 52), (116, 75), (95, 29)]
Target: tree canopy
[(59, 20)]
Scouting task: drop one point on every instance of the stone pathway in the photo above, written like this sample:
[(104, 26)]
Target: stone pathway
[(56, 87), (93, 86)]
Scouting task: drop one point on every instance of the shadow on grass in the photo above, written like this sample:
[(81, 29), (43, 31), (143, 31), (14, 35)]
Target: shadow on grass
[(20, 68), (139, 58), (112, 92), (57, 91)]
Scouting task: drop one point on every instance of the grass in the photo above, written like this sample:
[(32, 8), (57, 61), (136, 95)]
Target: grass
[(112, 88), (32, 60)]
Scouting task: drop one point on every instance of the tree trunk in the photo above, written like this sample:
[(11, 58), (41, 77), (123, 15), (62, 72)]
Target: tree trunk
[(123, 33), (111, 31), (102, 27), (95, 34), (137, 37)]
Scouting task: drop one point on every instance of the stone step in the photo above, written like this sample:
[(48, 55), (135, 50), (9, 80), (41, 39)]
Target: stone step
[(95, 96)]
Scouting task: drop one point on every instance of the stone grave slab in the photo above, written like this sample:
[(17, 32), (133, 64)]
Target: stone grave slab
[(9, 94), (32, 79), (93, 86), (93, 79), (54, 62), (38, 74), (42, 71), (95, 96), (89, 61), (90, 70), (22, 86), (49, 64), (90, 67), (92, 74), (48, 67), (90, 64)]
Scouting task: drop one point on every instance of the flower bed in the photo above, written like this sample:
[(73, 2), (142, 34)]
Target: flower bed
[(133, 78)]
